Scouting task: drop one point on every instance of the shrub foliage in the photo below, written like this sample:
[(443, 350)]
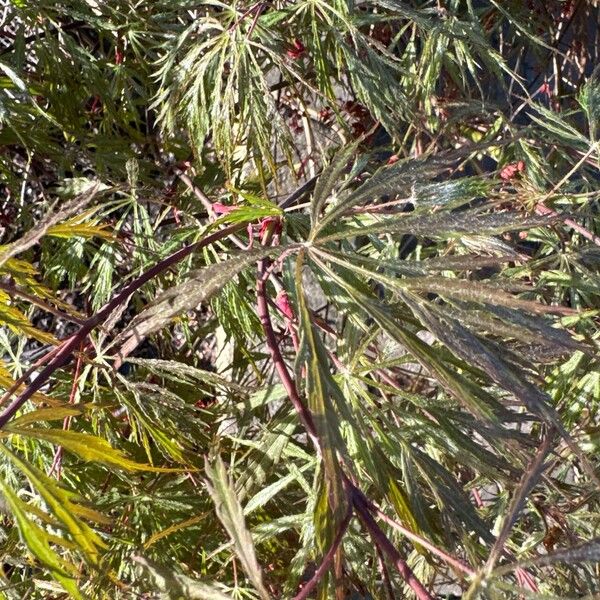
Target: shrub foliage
[(299, 299)]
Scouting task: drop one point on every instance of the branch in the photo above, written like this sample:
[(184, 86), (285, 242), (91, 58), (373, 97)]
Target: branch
[(67, 348), (387, 547), (542, 209), (262, 309), (327, 559), (27, 374), (34, 235), (355, 496), (385, 574), (14, 290), (208, 205), (454, 562)]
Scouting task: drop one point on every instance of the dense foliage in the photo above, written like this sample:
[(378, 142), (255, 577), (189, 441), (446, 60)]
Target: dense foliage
[(299, 298)]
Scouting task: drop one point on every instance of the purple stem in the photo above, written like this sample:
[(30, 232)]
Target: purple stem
[(327, 559), (262, 309), (387, 547), (356, 498), (65, 351)]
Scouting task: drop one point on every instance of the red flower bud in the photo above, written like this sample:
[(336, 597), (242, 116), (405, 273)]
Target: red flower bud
[(267, 224), (510, 171), (282, 301), (297, 49)]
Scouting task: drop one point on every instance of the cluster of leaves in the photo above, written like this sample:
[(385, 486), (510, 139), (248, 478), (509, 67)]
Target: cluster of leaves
[(299, 299)]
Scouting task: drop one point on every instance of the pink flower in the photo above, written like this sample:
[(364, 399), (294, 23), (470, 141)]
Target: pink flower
[(268, 224), (510, 171), (282, 301), (297, 49)]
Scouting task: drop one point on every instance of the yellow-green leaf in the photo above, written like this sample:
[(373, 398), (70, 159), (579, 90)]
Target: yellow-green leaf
[(53, 413), (89, 447), (59, 504), (70, 229), (230, 513), (7, 381), (20, 324), (38, 542)]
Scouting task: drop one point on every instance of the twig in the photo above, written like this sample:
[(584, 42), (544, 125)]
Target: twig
[(205, 200), (34, 235), (262, 309), (447, 558), (387, 547), (327, 559), (16, 291), (593, 148), (385, 574), (23, 378), (542, 209), (356, 497), (56, 463)]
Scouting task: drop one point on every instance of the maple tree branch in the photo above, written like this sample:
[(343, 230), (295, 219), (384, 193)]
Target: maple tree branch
[(381, 540), (67, 348), (356, 498), (262, 309), (327, 559)]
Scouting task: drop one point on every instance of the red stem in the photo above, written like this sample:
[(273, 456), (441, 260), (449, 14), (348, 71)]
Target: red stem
[(57, 462), (454, 562), (387, 547), (19, 382), (262, 309), (327, 559), (356, 497), (542, 209)]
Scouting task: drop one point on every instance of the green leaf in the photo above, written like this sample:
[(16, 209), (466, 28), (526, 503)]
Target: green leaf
[(231, 515), (46, 414), (39, 544), (177, 586), (200, 286), (60, 504), (328, 180), (88, 447), (444, 225)]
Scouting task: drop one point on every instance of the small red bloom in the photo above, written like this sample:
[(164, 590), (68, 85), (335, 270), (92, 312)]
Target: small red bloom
[(545, 89), (297, 49), (282, 301), (510, 171), (267, 224), (394, 158)]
